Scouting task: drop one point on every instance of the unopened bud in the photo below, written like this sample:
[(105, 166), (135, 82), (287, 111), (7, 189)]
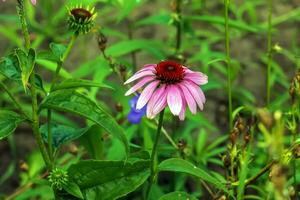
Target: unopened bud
[(102, 41), (119, 107)]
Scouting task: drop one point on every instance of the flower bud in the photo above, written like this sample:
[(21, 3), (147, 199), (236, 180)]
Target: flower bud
[(58, 178), (81, 20), (102, 41)]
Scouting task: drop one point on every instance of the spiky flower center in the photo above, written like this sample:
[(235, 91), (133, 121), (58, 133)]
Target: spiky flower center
[(81, 13), (169, 72)]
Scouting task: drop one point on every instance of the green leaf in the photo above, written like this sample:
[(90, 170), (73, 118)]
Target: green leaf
[(180, 165), (61, 134), (52, 67), (76, 83), (177, 196), (8, 122), (26, 63), (107, 180), (92, 142), (9, 67), (73, 189), (58, 50), (74, 102), (163, 19), (125, 47), (126, 8), (39, 82)]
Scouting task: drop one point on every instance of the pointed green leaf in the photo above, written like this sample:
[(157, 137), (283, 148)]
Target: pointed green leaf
[(26, 63), (76, 83), (8, 122), (180, 165), (73, 189), (61, 134), (107, 180), (74, 102), (58, 50)]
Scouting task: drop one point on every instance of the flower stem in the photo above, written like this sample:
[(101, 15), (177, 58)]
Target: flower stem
[(35, 117), (228, 62), (154, 152), (17, 104), (269, 65), (54, 80)]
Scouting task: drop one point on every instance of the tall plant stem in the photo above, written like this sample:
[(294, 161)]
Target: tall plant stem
[(269, 65), (178, 25), (35, 117), (54, 80), (228, 63), (17, 104), (154, 152)]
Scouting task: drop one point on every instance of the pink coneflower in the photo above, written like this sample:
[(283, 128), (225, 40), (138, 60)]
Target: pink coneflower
[(168, 83)]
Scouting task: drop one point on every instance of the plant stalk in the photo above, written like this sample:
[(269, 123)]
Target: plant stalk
[(54, 80), (16, 103), (35, 117), (228, 63), (154, 152), (269, 65)]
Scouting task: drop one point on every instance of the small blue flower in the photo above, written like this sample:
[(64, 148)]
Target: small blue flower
[(135, 115)]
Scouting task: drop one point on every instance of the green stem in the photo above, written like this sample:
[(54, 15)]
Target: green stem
[(154, 152), (228, 63), (54, 80), (35, 125), (178, 25), (17, 104), (35, 117), (269, 67)]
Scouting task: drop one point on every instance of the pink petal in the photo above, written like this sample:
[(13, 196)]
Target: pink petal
[(33, 2), (138, 75), (196, 92), (197, 77), (157, 94), (140, 84), (174, 99), (188, 98), (160, 104), (146, 94), (182, 112)]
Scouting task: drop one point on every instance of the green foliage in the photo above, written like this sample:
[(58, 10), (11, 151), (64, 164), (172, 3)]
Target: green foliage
[(120, 177), (61, 134), (74, 102), (9, 121), (180, 165)]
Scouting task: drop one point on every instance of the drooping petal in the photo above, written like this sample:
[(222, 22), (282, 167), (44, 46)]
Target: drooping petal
[(161, 103), (188, 98), (33, 2), (140, 84), (157, 94), (138, 75), (196, 77), (146, 94), (182, 112), (174, 99), (195, 92)]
